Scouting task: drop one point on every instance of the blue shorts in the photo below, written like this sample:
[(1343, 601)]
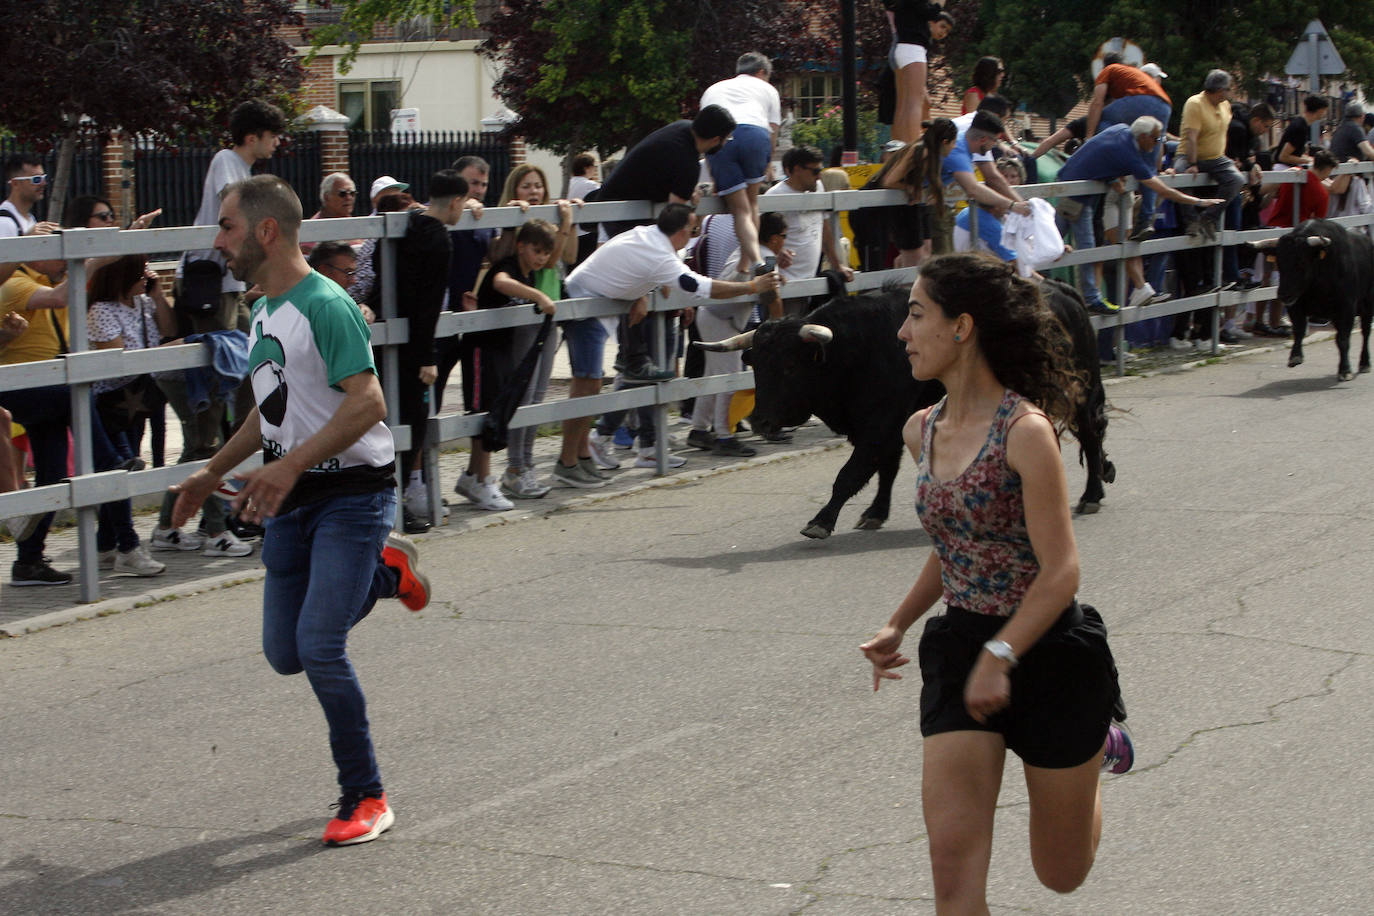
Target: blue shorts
[(743, 160), (586, 339)]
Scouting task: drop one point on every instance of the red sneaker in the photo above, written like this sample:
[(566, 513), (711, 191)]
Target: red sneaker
[(359, 820), (413, 586)]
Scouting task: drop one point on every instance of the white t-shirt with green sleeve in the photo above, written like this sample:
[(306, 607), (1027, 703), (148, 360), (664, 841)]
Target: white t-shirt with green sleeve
[(302, 344)]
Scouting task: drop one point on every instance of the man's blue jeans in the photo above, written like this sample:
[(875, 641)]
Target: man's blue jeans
[(1082, 229), (324, 574)]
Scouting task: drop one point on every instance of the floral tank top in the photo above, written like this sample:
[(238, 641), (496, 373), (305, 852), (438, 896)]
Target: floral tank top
[(978, 522)]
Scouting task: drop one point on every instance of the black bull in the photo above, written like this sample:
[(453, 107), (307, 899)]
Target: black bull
[(845, 365), (1327, 273)]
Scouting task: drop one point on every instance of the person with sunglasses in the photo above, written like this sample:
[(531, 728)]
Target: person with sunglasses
[(25, 183), (338, 194), (808, 231)]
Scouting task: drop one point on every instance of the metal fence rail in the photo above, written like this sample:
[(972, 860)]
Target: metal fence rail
[(79, 368)]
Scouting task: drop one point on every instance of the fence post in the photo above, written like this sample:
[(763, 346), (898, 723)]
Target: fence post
[(390, 357), (332, 128), (82, 430), (1123, 236)]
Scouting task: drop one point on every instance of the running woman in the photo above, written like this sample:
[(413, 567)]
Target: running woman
[(1015, 662)]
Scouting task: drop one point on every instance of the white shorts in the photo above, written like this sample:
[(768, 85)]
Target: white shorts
[(904, 55)]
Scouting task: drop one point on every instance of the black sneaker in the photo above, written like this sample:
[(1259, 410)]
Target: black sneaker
[(731, 448), (702, 439), (414, 524), (40, 573)]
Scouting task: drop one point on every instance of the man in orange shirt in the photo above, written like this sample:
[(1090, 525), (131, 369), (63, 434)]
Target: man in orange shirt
[(1133, 93)]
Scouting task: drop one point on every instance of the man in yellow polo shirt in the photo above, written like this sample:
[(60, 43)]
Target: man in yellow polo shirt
[(1203, 148)]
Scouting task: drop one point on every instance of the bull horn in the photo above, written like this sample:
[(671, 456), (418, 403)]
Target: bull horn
[(1267, 243), (816, 333), (738, 342), (1317, 241)]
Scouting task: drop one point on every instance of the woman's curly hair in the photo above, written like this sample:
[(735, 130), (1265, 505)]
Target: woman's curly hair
[(1026, 346)]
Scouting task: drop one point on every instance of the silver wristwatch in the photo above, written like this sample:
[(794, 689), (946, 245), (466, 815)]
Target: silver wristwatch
[(998, 648)]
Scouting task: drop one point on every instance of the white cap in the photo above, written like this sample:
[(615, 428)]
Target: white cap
[(384, 183), (1153, 70), (894, 146)]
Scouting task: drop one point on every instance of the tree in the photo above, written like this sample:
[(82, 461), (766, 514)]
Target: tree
[(1048, 46), (604, 73), (138, 66), (359, 20)]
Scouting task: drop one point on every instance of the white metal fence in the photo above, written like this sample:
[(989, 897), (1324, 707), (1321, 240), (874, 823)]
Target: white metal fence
[(85, 491)]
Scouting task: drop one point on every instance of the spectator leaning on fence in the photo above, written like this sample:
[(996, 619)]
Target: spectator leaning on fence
[(809, 232), (255, 129), (581, 184), (992, 192), (661, 168), (1113, 153), (1297, 136), (38, 291), (1203, 148), (527, 186), (338, 194), (629, 267), (470, 248)]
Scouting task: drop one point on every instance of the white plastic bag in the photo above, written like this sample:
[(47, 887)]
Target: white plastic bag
[(1035, 238)]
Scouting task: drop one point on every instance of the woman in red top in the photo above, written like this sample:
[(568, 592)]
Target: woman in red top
[(988, 74), (1015, 662)]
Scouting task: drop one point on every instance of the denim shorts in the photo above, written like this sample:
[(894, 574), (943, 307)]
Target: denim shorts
[(586, 339), (743, 160), (1064, 692)]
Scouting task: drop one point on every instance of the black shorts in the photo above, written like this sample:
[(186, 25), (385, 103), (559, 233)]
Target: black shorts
[(1064, 692), (909, 226)]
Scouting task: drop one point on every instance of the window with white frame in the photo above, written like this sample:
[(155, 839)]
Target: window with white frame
[(814, 93), (369, 103)]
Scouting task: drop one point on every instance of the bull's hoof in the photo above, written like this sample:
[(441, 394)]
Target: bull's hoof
[(1294, 361), (868, 523), (1108, 472), (1346, 376), (1087, 508), (818, 532)]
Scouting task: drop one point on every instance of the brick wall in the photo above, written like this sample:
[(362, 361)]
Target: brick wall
[(318, 88)]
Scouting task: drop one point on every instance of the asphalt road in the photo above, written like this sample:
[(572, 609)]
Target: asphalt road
[(654, 704)]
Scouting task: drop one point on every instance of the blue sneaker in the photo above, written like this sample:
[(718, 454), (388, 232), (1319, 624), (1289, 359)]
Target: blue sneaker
[(624, 438), (1103, 307), (1120, 753)]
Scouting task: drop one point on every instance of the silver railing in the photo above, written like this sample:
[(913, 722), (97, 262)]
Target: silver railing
[(76, 370)]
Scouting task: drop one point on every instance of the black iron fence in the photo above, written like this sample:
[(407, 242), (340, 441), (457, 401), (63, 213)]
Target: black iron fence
[(172, 175), (86, 167), (414, 157)]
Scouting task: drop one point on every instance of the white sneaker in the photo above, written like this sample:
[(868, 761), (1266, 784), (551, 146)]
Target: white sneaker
[(137, 562), (648, 459), (176, 539), (491, 498), (106, 559), (468, 487), (416, 500), (1238, 331), (1142, 296), (227, 545), (524, 485), (1180, 343), (601, 451)]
